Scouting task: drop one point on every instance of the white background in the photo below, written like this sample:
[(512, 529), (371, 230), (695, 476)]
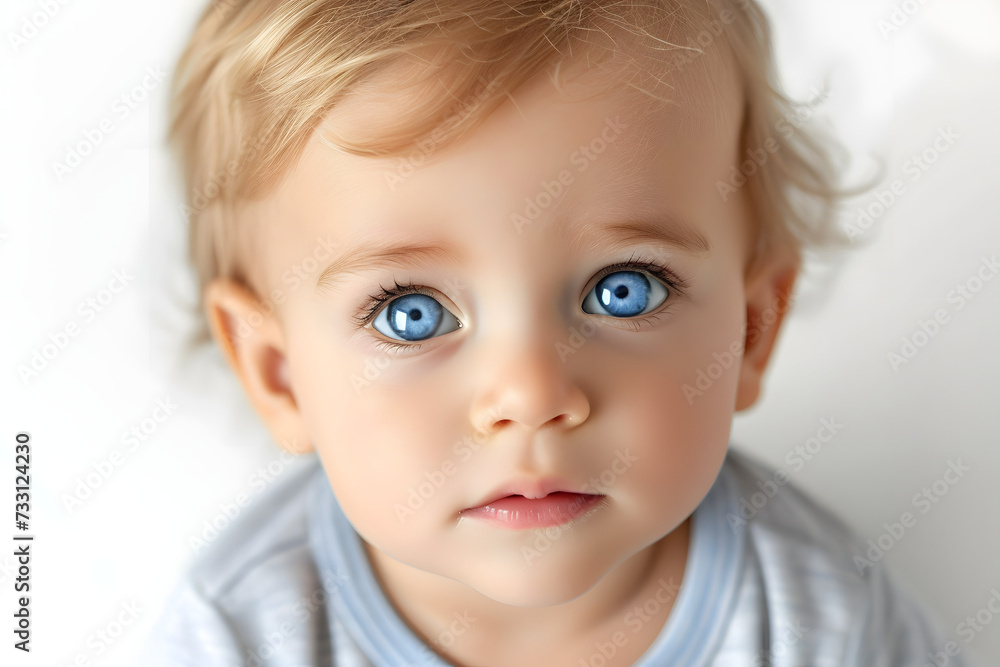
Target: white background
[(61, 240)]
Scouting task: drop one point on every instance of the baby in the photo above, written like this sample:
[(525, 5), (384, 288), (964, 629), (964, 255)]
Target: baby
[(505, 271)]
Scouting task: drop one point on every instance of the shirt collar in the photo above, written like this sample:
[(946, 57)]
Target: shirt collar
[(691, 636)]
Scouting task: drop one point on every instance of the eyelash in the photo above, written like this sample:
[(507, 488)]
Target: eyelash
[(373, 304)]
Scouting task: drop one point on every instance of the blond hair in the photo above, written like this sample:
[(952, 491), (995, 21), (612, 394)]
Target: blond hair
[(258, 77)]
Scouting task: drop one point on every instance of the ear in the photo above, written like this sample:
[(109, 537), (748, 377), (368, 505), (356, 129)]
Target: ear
[(769, 285), (254, 343)]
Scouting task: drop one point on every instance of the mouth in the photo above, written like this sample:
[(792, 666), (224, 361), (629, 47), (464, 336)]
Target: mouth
[(519, 512)]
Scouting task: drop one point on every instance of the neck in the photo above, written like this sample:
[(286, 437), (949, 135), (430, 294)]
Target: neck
[(426, 601)]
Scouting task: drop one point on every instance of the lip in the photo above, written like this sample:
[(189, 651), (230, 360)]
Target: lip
[(534, 504), (529, 488)]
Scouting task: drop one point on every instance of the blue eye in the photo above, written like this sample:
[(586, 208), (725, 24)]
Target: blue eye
[(407, 314), (625, 294), (414, 317)]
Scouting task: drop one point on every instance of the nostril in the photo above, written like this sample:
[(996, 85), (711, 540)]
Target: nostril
[(562, 419)]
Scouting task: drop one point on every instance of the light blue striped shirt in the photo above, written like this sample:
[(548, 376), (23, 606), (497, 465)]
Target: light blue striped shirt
[(771, 580)]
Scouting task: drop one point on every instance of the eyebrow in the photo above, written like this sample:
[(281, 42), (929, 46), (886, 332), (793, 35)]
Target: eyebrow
[(382, 255), (664, 230)]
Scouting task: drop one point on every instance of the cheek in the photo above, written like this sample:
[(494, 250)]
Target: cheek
[(378, 441), (678, 406)]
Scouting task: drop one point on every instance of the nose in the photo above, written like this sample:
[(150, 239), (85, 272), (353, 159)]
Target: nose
[(526, 382)]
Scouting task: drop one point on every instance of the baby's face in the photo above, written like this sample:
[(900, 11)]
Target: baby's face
[(578, 269)]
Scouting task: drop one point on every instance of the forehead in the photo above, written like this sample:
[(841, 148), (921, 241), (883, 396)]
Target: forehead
[(680, 89), (658, 146)]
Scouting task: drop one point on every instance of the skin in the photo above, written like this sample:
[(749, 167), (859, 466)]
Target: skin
[(535, 409)]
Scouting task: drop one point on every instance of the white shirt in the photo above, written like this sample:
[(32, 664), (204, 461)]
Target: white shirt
[(288, 584)]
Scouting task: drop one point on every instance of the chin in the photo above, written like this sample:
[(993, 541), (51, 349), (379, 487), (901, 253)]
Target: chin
[(552, 579)]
